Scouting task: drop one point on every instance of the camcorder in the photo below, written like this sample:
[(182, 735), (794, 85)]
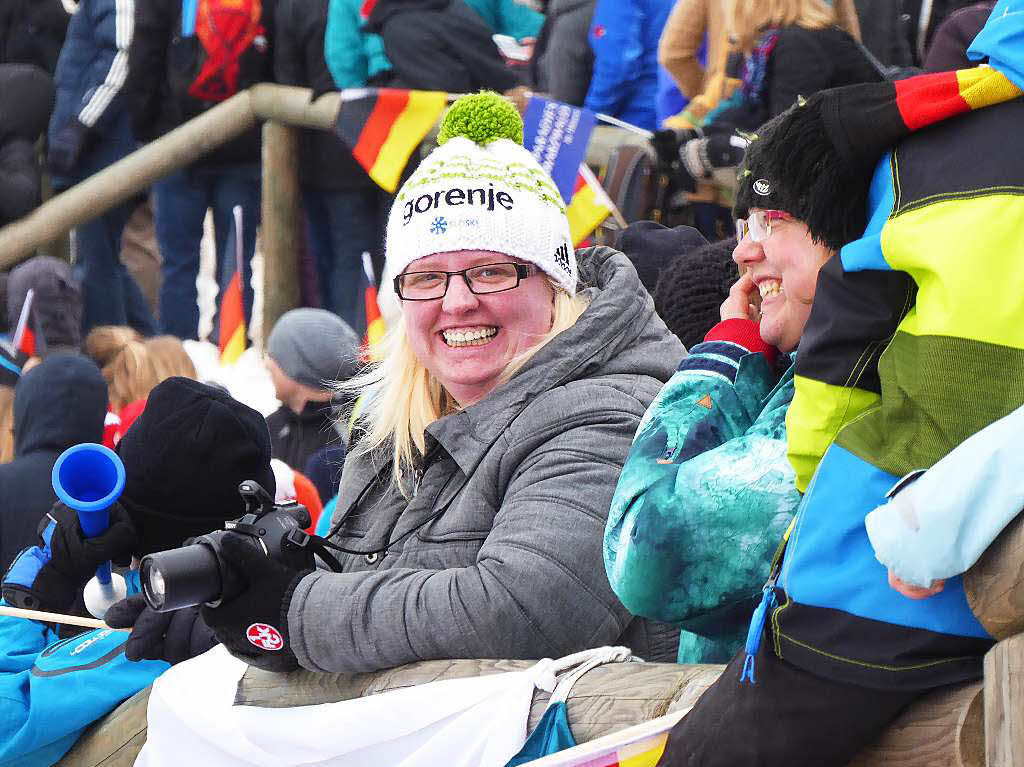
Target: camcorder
[(196, 574)]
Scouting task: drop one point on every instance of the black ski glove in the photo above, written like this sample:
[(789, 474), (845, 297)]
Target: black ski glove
[(172, 636), (51, 575), (67, 147), (253, 624)]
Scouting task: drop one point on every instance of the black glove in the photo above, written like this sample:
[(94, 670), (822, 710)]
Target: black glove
[(67, 147), (701, 156), (253, 624), (172, 636), (667, 144), (49, 576)]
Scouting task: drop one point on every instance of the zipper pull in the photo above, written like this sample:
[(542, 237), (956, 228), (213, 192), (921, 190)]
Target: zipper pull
[(756, 631)]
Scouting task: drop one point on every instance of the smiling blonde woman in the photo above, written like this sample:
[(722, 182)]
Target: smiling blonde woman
[(471, 510)]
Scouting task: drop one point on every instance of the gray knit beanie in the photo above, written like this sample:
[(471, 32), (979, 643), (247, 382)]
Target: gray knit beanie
[(314, 347)]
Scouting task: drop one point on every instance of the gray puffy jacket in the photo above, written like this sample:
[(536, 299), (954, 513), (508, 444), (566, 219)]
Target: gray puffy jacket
[(498, 554)]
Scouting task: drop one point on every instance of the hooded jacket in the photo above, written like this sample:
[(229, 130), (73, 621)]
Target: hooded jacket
[(90, 80), (910, 323), (32, 32), (56, 305), (24, 112), (498, 552), (60, 403), (161, 58), (325, 162)]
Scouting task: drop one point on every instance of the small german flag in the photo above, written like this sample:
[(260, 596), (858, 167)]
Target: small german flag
[(376, 327), (24, 339), (232, 305), (383, 126), (589, 207)]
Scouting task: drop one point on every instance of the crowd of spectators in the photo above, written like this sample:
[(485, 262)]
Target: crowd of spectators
[(671, 444)]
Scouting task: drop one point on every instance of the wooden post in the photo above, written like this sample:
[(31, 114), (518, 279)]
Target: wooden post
[(995, 584), (1004, 704), (280, 221)]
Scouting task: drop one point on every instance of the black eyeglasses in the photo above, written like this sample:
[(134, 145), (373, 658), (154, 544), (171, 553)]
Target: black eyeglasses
[(486, 278)]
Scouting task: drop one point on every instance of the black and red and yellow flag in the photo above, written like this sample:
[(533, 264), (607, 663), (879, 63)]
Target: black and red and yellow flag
[(232, 304), (376, 327), (27, 340), (383, 126)]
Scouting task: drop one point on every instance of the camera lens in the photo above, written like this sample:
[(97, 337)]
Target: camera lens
[(181, 577), (153, 587)]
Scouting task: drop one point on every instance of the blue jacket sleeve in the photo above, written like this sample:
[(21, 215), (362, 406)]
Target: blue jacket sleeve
[(114, 25), (352, 55), (616, 39), (50, 690), (508, 17), (706, 492)]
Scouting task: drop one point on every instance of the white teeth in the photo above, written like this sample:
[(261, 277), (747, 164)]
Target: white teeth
[(770, 288), (473, 337)]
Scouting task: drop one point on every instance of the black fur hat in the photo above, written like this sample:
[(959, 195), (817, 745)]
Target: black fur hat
[(815, 160), (184, 458)]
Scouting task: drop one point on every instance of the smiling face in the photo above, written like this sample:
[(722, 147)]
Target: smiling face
[(466, 340), (784, 267)]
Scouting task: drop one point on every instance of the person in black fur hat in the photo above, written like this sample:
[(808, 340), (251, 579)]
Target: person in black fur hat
[(687, 277), (692, 288), (652, 248), (184, 458)]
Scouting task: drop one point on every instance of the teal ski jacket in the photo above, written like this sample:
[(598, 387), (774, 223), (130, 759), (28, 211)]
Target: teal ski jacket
[(706, 494)]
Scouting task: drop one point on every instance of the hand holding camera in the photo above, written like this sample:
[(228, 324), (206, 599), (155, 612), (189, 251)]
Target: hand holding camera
[(243, 576)]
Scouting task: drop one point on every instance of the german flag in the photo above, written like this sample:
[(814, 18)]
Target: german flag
[(24, 339), (383, 126), (589, 207), (376, 327), (929, 98), (232, 305)]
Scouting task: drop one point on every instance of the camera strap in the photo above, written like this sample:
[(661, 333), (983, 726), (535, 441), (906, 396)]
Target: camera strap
[(319, 547)]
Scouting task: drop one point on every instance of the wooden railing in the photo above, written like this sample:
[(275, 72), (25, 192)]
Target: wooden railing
[(282, 110)]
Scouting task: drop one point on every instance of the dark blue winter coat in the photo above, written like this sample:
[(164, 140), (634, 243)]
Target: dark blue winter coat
[(90, 81), (624, 36), (60, 403)]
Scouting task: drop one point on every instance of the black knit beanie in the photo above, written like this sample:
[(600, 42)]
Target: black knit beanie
[(815, 160), (692, 288), (184, 458)]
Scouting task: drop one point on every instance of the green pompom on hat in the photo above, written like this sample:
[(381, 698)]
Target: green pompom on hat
[(482, 118)]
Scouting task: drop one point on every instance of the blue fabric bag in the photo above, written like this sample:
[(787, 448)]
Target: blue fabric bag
[(552, 733)]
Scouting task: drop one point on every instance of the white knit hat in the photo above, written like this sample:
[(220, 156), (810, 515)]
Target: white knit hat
[(481, 190)]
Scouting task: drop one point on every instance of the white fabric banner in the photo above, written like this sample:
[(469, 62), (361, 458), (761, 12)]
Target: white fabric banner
[(474, 722)]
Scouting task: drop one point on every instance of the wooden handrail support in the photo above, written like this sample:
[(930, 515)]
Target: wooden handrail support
[(942, 730), (178, 148)]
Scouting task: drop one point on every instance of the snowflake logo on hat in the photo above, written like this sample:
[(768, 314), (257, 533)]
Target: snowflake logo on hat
[(264, 636), (439, 225)]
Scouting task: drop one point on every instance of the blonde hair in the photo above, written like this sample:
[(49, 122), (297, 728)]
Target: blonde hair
[(748, 17), (168, 357), (400, 398), (6, 424), (131, 366)]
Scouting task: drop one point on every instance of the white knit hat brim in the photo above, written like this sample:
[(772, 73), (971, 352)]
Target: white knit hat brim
[(495, 198)]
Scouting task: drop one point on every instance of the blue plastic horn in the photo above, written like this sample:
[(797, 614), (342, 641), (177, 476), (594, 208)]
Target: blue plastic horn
[(89, 478)]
